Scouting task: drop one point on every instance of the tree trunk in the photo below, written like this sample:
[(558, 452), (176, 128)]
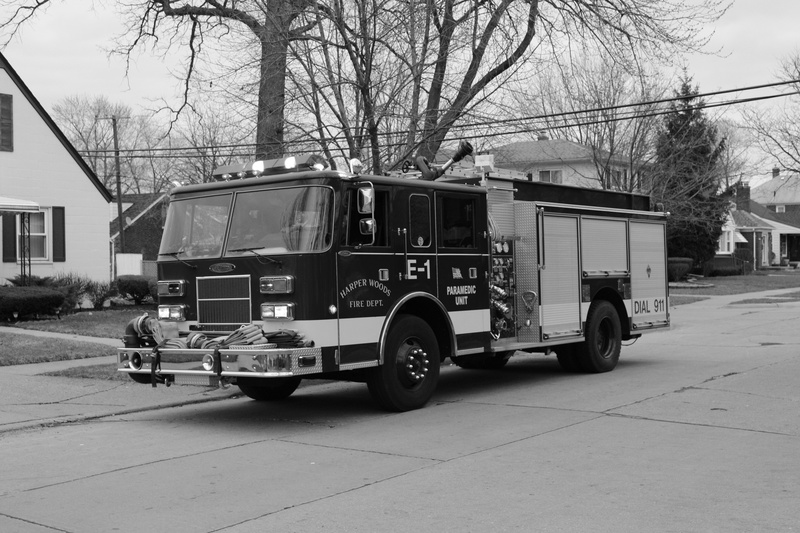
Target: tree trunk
[(271, 99)]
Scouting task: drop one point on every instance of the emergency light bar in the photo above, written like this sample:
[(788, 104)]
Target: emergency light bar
[(270, 167)]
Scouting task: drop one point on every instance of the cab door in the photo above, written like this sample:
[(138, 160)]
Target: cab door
[(369, 270)]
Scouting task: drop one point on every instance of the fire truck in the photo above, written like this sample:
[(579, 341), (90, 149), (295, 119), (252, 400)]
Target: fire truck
[(285, 270)]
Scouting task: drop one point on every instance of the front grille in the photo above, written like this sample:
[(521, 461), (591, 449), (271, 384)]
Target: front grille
[(223, 300)]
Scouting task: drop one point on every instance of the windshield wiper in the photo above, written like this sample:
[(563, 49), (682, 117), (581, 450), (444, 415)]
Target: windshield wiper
[(175, 255), (260, 256)]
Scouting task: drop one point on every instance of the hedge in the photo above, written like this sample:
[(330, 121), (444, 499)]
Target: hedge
[(137, 288), (29, 301), (678, 267)]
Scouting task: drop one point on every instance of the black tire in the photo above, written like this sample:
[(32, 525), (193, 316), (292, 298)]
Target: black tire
[(410, 371), (483, 361), (144, 379), (568, 359), (268, 389), (600, 352)]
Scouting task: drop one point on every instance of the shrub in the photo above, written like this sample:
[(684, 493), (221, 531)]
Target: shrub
[(27, 301), (136, 288), (73, 286), (678, 267), (30, 281), (97, 292), (726, 271)]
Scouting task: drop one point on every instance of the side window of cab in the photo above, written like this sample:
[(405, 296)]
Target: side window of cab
[(456, 220), (355, 222)]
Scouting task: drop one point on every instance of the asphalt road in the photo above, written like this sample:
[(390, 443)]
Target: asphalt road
[(698, 429)]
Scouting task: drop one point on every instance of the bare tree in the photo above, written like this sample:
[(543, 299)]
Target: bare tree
[(452, 53), (598, 102), (777, 130), (86, 121)]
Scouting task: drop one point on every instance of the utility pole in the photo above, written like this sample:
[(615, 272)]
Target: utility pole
[(119, 185)]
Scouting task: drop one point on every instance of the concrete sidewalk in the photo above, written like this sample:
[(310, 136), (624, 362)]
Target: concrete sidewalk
[(29, 399)]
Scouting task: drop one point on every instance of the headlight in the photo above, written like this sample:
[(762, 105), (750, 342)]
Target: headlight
[(277, 311), (276, 285), (172, 312), (173, 287)]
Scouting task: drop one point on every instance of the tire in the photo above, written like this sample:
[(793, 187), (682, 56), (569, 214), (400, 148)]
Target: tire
[(567, 355), (600, 352), (268, 389), (483, 361), (410, 371)]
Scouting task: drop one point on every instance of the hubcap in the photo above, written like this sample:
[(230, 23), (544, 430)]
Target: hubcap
[(414, 364)]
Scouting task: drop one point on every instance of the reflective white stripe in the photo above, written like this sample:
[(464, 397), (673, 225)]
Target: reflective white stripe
[(474, 321), (323, 332), (361, 330)]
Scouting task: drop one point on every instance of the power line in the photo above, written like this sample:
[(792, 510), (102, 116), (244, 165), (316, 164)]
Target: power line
[(193, 151)]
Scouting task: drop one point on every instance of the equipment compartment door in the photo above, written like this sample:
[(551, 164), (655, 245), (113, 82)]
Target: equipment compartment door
[(650, 306), (560, 277)]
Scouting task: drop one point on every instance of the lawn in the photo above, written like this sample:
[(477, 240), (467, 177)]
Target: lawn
[(108, 323), (24, 349), (758, 281)]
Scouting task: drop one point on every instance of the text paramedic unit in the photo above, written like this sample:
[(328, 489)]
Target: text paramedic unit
[(283, 270)]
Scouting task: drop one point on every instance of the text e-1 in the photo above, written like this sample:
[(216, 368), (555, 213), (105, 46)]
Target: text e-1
[(412, 270)]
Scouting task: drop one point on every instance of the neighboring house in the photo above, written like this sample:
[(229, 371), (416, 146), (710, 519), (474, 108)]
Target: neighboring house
[(68, 232), (755, 227), (144, 224), (566, 162), (781, 197)]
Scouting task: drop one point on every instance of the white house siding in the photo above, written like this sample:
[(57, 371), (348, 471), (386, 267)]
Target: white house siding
[(42, 170)]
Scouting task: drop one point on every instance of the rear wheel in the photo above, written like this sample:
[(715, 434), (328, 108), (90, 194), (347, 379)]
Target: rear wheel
[(600, 351), (407, 378), (268, 389)]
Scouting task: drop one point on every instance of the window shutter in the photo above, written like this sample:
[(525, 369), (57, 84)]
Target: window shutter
[(9, 238), (59, 236), (6, 124)]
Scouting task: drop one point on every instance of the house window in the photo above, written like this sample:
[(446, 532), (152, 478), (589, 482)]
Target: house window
[(780, 208), (6, 124), (47, 236), (550, 176), (725, 243)]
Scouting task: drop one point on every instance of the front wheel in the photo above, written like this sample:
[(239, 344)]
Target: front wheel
[(268, 389), (407, 378), (600, 351)]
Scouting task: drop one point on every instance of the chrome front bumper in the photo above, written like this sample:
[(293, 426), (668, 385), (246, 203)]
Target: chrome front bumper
[(225, 362)]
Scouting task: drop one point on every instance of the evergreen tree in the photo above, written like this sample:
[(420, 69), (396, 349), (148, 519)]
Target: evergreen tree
[(686, 177)]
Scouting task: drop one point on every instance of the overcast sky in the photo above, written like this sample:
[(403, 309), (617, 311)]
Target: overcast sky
[(63, 53)]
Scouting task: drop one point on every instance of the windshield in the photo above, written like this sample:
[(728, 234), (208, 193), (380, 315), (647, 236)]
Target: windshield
[(195, 227), (275, 221)]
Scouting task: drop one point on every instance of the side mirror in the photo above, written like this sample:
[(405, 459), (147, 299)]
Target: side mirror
[(366, 201), (367, 226)]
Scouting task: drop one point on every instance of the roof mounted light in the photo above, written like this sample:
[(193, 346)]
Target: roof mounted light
[(271, 166)]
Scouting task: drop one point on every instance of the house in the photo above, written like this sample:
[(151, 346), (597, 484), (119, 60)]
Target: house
[(781, 197), (65, 226), (144, 216), (566, 162)]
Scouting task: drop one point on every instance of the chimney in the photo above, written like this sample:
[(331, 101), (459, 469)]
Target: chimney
[(775, 172), (742, 197)]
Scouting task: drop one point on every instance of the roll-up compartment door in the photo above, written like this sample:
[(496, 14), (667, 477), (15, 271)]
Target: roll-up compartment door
[(649, 303), (560, 279)]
